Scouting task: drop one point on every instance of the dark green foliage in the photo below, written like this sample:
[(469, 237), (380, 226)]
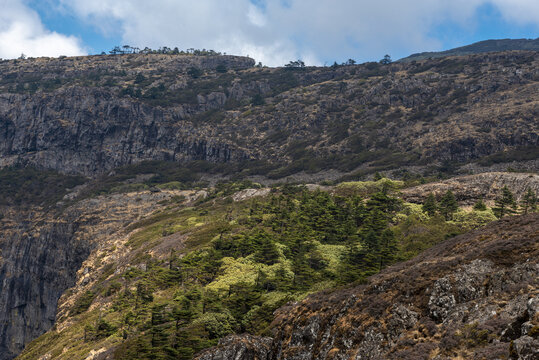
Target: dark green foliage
[(267, 252), (83, 303), (376, 245), (448, 205), (480, 205), (295, 65), (257, 100), (505, 203), (529, 201), (386, 60), (388, 248), (143, 293), (430, 206), (104, 329), (221, 68), (518, 154), (24, 186), (282, 239), (194, 72)]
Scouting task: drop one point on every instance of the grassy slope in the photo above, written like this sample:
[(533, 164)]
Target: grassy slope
[(173, 303)]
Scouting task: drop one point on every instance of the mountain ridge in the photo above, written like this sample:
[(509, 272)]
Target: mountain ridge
[(492, 45), (277, 122)]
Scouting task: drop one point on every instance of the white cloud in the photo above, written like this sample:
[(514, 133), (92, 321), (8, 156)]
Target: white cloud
[(21, 31), (279, 31), (525, 12)]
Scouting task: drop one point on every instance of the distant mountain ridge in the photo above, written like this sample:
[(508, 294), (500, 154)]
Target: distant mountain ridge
[(90, 115), (479, 47)]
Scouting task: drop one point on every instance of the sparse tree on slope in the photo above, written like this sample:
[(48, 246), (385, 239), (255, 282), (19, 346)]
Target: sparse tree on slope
[(448, 205), (529, 202), (430, 206), (505, 203), (480, 205)]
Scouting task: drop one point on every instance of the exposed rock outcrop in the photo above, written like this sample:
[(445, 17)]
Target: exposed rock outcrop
[(245, 347), (468, 189)]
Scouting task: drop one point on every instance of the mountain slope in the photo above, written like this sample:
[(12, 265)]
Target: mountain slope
[(89, 115), (475, 296), (479, 47), (118, 240)]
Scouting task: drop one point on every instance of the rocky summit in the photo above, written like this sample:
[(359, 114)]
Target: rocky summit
[(199, 206)]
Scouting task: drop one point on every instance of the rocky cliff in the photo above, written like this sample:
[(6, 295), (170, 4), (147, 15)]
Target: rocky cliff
[(89, 115), (41, 251), (472, 297)]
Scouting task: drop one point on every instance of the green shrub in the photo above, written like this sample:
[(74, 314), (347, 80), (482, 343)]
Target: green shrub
[(82, 303), (217, 324)]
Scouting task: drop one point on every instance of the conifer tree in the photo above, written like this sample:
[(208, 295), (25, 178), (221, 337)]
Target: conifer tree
[(159, 338), (529, 201), (430, 206), (352, 263), (388, 248), (267, 252), (384, 203), (371, 244), (505, 203), (448, 205), (480, 205)]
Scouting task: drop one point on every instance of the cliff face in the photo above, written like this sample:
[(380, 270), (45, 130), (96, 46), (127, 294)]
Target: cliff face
[(40, 253), (89, 115), (88, 129), (85, 131), (36, 268), (474, 297)]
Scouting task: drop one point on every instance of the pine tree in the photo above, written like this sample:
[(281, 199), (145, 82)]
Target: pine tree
[(480, 205), (352, 263), (267, 252), (529, 201), (504, 203), (448, 205), (388, 248), (159, 338), (430, 206), (386, 204), (371, 244)]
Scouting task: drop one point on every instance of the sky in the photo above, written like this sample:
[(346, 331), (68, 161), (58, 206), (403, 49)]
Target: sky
[(270, 31)]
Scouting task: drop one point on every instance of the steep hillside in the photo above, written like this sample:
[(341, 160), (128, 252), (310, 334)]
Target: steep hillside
[(480, 47), (89, 115), (137, 219), (41, 251), (472, 297), (208, 263)]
